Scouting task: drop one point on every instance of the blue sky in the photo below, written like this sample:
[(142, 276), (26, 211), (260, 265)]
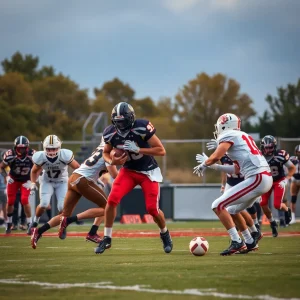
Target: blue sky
[(157, 46)]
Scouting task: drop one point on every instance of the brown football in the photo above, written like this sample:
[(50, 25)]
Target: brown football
[(117, 152)]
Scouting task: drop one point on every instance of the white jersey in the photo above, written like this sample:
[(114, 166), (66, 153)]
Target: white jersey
[(92, 166), (54, 169), (244, 152)]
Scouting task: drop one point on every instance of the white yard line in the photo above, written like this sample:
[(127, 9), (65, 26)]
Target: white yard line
[(141, 288)]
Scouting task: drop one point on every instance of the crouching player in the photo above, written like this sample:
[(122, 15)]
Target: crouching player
[(83, 182)]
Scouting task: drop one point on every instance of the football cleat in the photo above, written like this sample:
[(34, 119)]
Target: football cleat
[(103, 245), (257, 226), (274, 226), (22, 227), (235, 248), (257, 236), (62, 233), (252, 247), (35, 236), (14, 227), (8, 228), (288, 216), (167, 241), (282, 223), (93, 238), (29, 229)]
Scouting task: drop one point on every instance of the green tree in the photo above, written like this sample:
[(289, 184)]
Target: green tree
[(116, 91), (202, 100), (283, 119)]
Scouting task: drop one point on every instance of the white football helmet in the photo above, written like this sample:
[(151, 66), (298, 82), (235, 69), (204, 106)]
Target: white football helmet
[(227, 122), (52, 145)]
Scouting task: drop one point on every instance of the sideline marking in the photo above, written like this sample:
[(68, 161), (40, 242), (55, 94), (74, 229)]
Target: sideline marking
[(142, 288)]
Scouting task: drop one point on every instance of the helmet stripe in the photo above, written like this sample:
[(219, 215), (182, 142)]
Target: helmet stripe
[(51, 139), (118, 109)]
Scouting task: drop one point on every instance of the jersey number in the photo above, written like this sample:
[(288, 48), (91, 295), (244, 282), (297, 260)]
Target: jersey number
[(93, 159), (22, 171), (274, 171), (251, 144), (53, 173)]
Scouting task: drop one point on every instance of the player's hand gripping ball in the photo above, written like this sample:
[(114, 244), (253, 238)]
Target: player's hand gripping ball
[(199, 246), (116, 152)]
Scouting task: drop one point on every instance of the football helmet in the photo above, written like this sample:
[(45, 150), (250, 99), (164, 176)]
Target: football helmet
[(268, 145), (297, 151), (21, 145), (52, 145), (123, 117), (227, 122)]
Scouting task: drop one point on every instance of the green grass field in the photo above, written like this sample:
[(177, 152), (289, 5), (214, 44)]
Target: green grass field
[(136, 268)]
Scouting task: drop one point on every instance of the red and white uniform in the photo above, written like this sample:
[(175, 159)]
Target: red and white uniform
[(253, 166)]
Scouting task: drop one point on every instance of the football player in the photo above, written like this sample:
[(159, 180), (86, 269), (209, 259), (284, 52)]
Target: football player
[(53, 162), (276, 159), (242, 150), (137, 137), (295, 184), (19, 160), (83, 182)]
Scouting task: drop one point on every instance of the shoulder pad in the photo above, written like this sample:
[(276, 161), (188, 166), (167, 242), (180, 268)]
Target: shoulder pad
[(66, 156), (108, 133), (39, 158), (226, 137), (31, 152), (144, 128)]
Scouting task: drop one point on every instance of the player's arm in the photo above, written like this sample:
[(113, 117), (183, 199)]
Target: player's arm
[(218, 154), (113, 160), (157, 148), (223, 181), (35, 173), (2, 169), (74, 164), (112, 170), (291, 168)]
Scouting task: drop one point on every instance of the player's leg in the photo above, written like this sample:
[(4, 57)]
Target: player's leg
[(234, 201), (122, 185), (94, 193), (46, 191), (27, 208), (279, 191), (151, 191), (294, 190), (12, 189), (267, 211)]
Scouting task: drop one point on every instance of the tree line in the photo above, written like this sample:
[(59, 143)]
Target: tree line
[(36, 101)]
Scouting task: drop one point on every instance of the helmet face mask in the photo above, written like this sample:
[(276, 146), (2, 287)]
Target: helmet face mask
[(52, 146), (21, 145), (268, 145), (123, 117), (227, 122)]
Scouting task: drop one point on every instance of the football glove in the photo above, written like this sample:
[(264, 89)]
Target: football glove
[(27, 184), (279, 158), (200, 158), (131, 146), (9, 180), (283, 183), (199, 170), (33, 188), (213, 144)]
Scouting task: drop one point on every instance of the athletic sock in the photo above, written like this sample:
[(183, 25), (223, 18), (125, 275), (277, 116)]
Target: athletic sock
[(44, 228), (234, 235), (247, 236), (108, 231), (255, 221), (72, 219), (164, 230), (253, 228), (271, 219), (93, 230)]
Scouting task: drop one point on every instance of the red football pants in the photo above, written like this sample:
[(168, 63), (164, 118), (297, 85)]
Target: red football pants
[(12, 189), (278, 193), (126, 181)]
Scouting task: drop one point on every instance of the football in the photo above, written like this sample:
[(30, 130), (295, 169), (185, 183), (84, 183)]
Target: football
[(116, 152), (199, 246)]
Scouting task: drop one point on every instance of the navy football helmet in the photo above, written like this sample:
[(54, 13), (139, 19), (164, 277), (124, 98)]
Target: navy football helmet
[(268, 145), (21, 145), (123, 117)]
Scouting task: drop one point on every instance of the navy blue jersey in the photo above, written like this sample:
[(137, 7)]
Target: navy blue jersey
[(232, 179), (140, 133), (19, 167), (296, 162), (276, 163)]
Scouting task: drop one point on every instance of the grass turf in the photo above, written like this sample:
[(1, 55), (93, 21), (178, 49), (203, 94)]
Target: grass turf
[(138, 267)]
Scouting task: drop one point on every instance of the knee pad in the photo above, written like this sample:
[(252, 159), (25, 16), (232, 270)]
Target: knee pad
[(251, 210), (294, 199)]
